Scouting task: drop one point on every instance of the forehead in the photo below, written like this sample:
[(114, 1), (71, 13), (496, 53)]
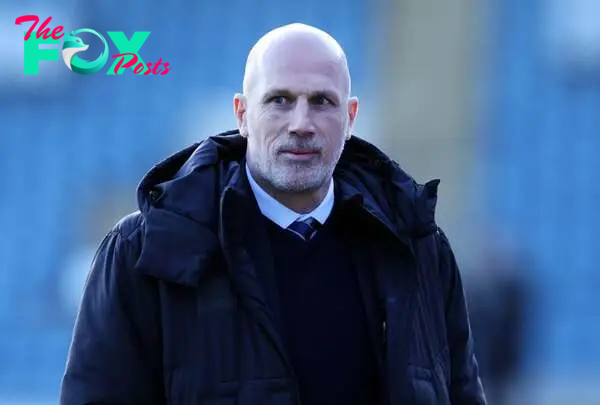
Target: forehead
[(299, 73)]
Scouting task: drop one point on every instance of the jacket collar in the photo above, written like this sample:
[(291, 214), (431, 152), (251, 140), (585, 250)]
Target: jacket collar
[(193, 203)]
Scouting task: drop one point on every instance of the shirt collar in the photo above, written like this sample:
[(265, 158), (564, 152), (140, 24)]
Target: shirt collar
[(282, 215)]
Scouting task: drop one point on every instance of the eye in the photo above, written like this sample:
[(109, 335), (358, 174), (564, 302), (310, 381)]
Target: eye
[(279, 100), (320, 100)]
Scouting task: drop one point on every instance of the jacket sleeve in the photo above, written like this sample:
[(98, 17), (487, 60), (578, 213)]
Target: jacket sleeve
[(465, 387), (112, 358)]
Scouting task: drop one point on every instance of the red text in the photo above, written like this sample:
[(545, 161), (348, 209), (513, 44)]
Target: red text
[(140, 66), (43, 30)]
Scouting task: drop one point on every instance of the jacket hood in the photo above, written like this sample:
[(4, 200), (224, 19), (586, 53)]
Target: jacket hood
[(364, 171), (182, 200)]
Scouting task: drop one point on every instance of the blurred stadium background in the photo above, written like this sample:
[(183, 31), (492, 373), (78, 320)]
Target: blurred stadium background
[(500, 99)]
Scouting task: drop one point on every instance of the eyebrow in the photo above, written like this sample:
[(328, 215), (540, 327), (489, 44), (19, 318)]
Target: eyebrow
[(287, 93)]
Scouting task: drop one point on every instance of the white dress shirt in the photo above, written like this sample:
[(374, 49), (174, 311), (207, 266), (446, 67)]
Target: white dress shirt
[(282, 215)]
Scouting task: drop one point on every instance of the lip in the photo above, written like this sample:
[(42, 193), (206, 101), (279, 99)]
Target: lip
[(299, 154)]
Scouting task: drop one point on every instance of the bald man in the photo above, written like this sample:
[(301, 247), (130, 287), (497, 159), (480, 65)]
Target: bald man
[(286, 262)]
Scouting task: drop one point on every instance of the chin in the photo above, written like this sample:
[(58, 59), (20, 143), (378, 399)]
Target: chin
[(294, 182), (298, 188)]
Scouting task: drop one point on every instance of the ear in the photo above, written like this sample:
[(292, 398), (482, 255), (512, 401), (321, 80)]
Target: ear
[(239, 110), (352, 114)]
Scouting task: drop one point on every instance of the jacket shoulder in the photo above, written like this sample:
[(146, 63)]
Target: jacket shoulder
[(126, 236), (130, 226)]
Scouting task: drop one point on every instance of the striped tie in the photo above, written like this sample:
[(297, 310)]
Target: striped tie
[(304, 228)]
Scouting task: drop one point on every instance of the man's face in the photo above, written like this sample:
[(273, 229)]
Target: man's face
[(297, 118)]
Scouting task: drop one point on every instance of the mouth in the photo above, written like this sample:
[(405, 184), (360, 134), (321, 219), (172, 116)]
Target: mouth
[(299, 154), (300, 151)]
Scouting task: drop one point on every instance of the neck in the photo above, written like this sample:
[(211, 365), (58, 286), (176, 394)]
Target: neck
[(302, 202)]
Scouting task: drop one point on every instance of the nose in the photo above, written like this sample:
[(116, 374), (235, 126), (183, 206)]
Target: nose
[(300, 121)]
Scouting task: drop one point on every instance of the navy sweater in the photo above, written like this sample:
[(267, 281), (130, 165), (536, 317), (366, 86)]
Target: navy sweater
[(322, 316)]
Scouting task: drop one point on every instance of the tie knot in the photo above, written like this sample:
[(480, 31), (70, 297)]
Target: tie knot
[(304, 228)]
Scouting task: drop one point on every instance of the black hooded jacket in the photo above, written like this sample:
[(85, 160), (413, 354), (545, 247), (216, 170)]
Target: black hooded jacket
[(173, 312)]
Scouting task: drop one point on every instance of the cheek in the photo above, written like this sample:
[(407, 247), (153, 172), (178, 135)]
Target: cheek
[(272, 123), (335, 129), (332, 120), (265, 127), (273, 118), (267, 120)]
